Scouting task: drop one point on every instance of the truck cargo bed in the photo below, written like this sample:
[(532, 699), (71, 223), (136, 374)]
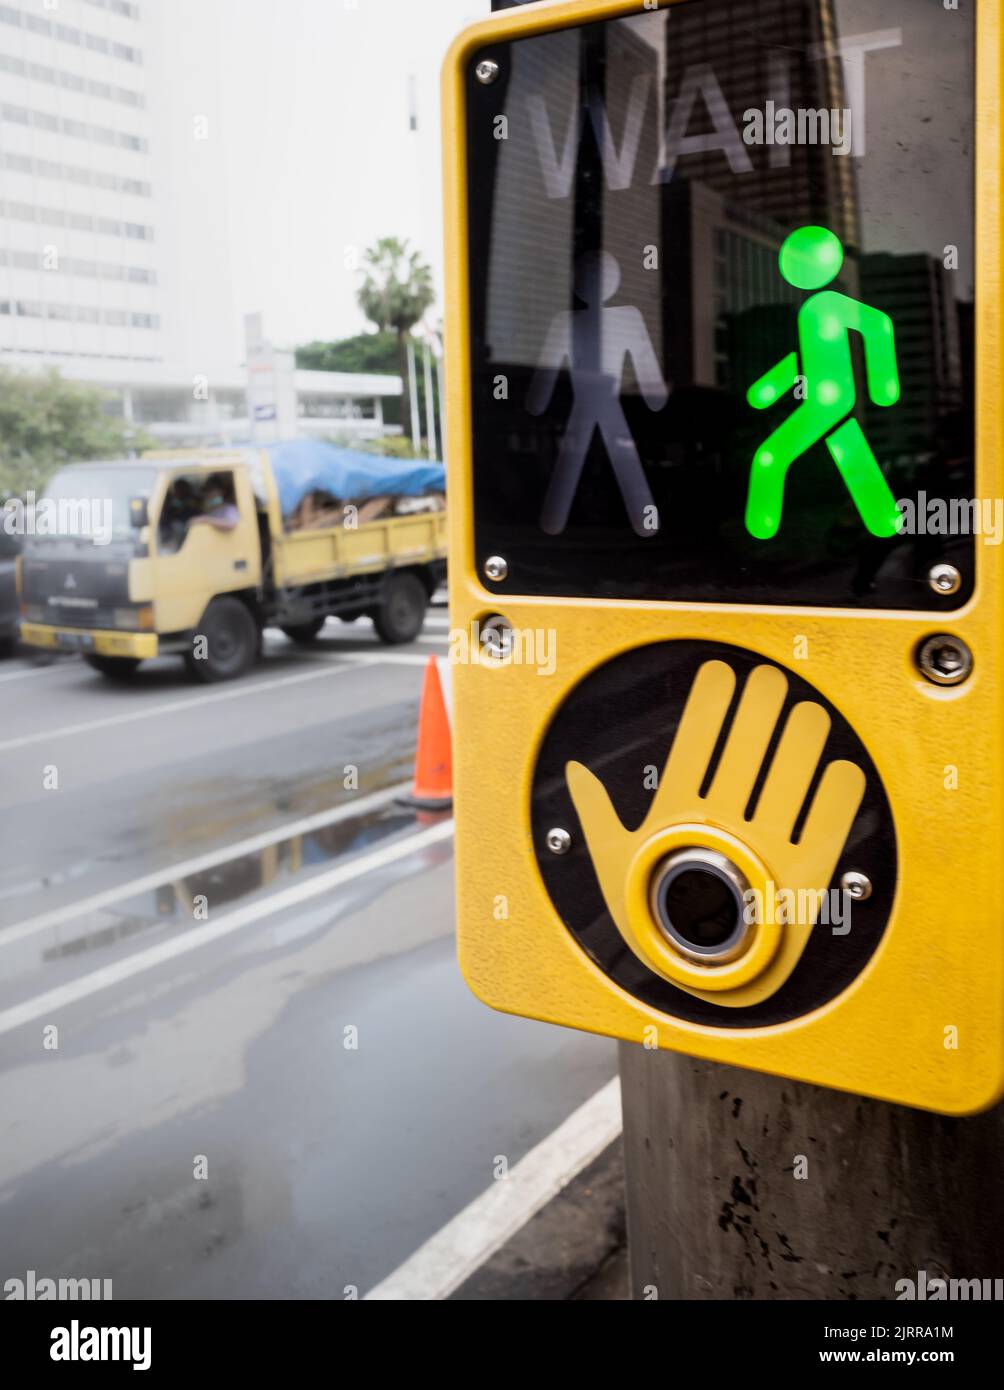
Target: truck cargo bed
[(313, 556)]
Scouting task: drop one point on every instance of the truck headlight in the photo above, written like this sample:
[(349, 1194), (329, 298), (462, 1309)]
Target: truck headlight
[(32, 613), (135, 619)]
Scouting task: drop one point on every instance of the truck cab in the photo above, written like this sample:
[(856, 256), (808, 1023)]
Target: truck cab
[(120, 569), (188, 553)]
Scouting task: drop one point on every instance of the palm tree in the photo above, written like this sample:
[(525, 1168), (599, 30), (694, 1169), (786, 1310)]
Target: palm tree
[(395, 293)]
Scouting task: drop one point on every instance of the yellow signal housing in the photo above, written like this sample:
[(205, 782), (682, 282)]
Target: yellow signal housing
[(792, 730)]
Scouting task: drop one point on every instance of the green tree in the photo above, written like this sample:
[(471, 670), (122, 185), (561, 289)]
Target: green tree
[(366, 352), (46, 422), (395, 292)]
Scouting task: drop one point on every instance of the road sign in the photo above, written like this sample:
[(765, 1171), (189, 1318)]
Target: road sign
[(726, 576), (271, 385)]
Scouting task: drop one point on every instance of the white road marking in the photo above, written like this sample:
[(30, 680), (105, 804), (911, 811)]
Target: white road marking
[(232, 692), (39, 671), (276, 641), (73, 911), (391, 658), (460, 1247), (333, 654), (46, 1005)]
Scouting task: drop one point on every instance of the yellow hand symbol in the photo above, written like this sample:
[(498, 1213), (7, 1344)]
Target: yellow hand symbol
[(761, 848)]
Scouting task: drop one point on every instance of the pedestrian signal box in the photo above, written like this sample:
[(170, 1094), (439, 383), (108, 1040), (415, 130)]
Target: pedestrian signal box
[(726, 510)]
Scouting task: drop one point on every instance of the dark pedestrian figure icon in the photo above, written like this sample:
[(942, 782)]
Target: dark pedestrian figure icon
[(596, 341)]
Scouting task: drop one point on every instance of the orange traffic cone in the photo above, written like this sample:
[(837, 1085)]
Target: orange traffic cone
[(433, 786)]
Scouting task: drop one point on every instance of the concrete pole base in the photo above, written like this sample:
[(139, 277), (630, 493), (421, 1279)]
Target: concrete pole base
[(743, 1186)]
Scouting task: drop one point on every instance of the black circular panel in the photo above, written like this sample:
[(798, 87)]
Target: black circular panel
[(620, 722)]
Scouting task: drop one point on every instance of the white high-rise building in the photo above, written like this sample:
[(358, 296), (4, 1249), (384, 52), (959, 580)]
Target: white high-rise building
[(80, 265), (115, 254)]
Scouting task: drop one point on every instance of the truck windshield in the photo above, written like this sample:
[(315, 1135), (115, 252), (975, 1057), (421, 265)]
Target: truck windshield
[(94, 503)]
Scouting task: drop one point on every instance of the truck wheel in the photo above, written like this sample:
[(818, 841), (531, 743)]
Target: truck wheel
[(402, 613), (116, 668), (304, 633), (231, 644)]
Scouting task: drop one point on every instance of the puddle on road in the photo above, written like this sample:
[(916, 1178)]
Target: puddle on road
[(235, 880), (185, 815), (233, 807)]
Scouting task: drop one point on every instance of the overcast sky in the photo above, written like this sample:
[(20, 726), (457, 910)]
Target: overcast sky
[(308, 107)]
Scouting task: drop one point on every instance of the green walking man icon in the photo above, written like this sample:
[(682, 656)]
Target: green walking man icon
[(810, 258)]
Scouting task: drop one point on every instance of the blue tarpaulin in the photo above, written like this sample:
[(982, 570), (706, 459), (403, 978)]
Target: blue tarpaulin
[(311, 465)]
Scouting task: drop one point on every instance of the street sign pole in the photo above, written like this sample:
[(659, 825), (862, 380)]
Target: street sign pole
[(416, 419), (430, 401), (741, 1185)]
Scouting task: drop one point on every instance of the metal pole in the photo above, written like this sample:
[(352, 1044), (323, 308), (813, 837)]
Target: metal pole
[(441, 391), (741, 1185), (430, 402), (416, 422)]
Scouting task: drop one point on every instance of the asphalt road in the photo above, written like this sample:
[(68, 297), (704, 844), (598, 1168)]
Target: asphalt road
[(236, 1055)]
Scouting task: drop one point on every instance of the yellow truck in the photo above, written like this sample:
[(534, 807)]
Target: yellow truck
[(196, 552)]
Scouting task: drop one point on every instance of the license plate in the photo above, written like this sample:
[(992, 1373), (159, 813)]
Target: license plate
[(76, 641)]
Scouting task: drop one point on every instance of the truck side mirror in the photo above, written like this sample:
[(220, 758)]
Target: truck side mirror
[(139, 513)]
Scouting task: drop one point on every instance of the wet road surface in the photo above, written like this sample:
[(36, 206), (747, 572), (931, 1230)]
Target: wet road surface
[(268, 1077)]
